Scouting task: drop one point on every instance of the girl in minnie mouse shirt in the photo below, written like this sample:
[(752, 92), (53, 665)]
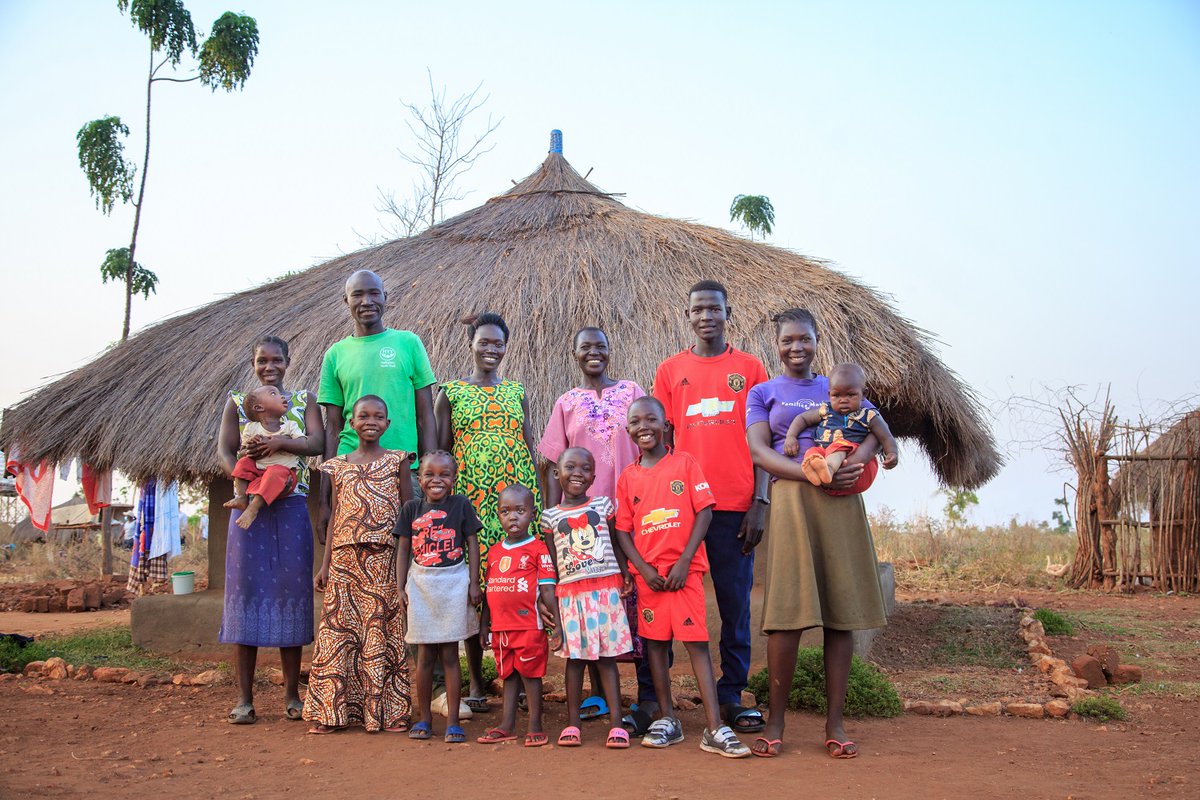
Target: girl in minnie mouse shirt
[(591, 583)]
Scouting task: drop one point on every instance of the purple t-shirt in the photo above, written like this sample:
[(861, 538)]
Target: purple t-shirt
[(779, 400)]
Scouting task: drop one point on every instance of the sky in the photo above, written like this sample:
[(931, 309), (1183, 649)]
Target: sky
[(1021, 178)]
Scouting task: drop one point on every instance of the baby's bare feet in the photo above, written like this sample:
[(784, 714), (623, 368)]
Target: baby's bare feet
[(239, 501), (246, 518)]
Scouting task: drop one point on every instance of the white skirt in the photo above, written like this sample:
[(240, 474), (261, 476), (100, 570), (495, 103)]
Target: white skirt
[(437, 605)]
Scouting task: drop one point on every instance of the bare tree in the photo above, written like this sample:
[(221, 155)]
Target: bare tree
[(441, 153)]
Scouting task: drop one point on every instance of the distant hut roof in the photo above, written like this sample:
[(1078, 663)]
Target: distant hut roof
[(552, 254), (1180, 440)]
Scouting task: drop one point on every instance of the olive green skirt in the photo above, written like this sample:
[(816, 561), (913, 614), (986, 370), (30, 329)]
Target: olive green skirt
[(821, 569)]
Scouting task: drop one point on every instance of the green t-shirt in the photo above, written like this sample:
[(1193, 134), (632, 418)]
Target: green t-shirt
[(393, 365)]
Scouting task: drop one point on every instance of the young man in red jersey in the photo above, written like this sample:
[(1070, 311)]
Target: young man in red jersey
[(704, 390)]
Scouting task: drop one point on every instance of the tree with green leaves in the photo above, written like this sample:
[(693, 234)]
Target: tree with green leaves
[(755, 212), (958, 503), (223, 61)]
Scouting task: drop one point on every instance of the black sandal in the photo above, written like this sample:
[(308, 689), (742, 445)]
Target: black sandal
[(742, 719)]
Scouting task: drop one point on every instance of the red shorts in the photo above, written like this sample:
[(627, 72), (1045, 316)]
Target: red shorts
[(525, 652), (870, 470), (663, 616), (269, 483)]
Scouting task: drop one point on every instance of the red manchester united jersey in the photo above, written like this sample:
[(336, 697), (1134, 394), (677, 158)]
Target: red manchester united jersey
[(514, 573), (658, 506)]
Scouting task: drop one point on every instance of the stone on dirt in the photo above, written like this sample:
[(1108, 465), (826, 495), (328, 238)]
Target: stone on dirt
[(206, 678), (75, 599), (1059, 709), (1107, 656), (748, 700), (56, 669), (110, 674), (1088, 667), (1028, 710), (34, 668), (1127, 673), (984, 710)]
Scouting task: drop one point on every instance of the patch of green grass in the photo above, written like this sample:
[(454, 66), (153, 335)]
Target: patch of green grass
[(870, 693), (1053, 623), (1182, 690), (1100, 708), (1114, 622), (490, 672), (977, 635), (110, 647)]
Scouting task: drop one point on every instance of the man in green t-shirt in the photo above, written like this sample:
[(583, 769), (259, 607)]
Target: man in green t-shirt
[(381, 361)]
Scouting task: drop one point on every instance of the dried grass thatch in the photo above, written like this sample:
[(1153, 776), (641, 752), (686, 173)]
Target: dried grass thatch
[(551, 254)]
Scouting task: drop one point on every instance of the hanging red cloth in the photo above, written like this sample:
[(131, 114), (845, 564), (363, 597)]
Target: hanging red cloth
[(35, 485), (97, 488)]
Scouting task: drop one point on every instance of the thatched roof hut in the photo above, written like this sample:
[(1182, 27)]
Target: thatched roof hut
[(552, 254)]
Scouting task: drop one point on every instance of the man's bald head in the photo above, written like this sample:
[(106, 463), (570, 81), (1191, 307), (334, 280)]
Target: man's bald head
[(363, 278), (367, 300)]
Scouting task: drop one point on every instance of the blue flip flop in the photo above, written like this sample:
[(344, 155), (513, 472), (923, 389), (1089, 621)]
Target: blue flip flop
[(422, 730), (593, 708), (455, 735)]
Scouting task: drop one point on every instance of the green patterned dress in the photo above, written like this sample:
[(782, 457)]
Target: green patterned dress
[(490, 449)]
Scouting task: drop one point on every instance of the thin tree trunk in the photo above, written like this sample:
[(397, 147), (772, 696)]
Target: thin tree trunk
[(137, 213)]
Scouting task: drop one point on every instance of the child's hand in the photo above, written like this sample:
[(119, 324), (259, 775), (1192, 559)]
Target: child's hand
[(474, 596), (791, 447), (545, 612), (321, 579), (653, 579), (402, 602), (485, 638), (626, 585), (556, 641), (677, 576), (890, 460)]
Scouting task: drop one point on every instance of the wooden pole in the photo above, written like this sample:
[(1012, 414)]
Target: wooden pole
[(106, 558), (1108, 535)]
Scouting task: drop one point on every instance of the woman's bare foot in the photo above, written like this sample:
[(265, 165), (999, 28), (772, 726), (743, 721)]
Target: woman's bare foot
[(239, 501)]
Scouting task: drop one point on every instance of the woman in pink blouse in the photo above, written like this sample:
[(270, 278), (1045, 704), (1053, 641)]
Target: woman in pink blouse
[(592, 415)]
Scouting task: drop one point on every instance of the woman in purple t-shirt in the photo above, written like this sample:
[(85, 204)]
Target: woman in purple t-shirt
[(821, 569)]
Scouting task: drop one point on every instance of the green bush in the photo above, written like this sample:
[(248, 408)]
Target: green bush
[(490, 673), (870, 694), (1099, 708), (1055, 624)]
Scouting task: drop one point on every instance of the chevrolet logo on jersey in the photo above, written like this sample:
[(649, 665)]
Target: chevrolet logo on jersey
[(709, 407), (659, 516)]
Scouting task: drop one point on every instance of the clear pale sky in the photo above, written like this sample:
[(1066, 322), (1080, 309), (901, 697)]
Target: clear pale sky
[(1022, 178)]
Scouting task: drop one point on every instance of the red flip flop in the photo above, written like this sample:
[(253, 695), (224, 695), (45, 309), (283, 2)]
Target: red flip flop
[(842, 747), (495, 736), (770, 751)]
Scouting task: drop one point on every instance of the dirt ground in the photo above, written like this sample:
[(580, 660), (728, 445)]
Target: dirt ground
[(77, 739), (38, 625)]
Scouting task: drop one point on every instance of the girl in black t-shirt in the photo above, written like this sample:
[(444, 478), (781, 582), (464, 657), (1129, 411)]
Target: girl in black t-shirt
[(437, 557)]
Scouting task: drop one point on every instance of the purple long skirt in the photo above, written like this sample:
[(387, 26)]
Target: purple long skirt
[(268, 578)]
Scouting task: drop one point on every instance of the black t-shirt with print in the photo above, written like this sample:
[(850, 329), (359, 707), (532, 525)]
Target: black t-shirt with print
[(438, 530)]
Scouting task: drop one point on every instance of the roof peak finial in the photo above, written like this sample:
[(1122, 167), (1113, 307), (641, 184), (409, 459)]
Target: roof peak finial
[(556, 141)]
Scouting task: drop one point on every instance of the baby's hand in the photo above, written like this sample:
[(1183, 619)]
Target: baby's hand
[(791, 447), (890, 460)]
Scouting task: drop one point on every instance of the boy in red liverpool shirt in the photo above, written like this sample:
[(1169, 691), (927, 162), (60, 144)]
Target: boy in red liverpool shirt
[(663, 510), (704, 390), (519, 569)]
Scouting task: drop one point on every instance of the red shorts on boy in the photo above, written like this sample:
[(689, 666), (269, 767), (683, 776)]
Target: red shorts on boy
[(523, 651), (680, 615), (270, 484)]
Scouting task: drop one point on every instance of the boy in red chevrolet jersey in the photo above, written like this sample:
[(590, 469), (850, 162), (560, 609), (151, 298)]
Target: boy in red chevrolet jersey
[(519, 569), (664, 507)]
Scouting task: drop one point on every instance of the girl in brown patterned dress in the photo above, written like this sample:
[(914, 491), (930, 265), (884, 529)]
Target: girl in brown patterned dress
[(359, 671)]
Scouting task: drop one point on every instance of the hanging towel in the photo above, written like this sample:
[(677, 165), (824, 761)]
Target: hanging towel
[(35, 485), (166, 541), (97, 488)]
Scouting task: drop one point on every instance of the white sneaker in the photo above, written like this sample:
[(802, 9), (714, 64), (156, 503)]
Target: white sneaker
[(440, 706), (723, 742)]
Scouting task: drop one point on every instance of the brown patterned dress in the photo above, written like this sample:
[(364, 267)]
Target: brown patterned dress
[(359, 671)]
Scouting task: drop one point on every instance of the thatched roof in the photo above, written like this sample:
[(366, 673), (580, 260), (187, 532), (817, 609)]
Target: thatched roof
[(551, 254), (1147, 478)]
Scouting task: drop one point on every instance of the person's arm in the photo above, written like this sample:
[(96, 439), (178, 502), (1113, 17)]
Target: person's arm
[(755, 520), (677, 576), (403, 556), (887, 442), (485, 622), (229, 439), (321, 580), (405, 479), (546, 595), (803, 420), (427, 427), (758, 436), (527, 435), (649, 574), (474, 595), (445, 428), (622, 561), (661, 389), (334, 423)]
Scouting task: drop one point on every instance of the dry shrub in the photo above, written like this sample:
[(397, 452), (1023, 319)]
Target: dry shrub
[(929, 554), (66, 556)]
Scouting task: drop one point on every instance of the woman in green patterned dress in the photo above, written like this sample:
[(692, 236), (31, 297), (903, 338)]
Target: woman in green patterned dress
[(484, 422)]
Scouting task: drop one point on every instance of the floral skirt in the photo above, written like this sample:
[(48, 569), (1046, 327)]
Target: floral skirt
[(593, 619)]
